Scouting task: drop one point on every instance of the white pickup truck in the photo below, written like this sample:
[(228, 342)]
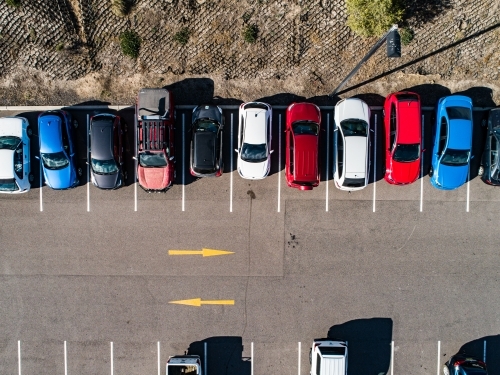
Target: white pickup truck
[(184, 365), (328, 357)]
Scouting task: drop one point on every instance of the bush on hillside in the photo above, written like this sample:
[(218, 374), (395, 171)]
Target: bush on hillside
[(130, 43), (373, 17)]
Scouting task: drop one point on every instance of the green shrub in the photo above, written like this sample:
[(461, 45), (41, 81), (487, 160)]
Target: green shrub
[(130, 43), (250, 33), (406, 35), (13, 3), (59, 46), (182, 36), (122, 7), (373, 17)]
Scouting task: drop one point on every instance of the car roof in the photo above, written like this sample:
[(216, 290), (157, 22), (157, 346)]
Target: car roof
[(409, 122), (6, 163), (11, 126), (255, 131), (49, 131), (305, 158), (102, 138), (460, 134), (355, 156)]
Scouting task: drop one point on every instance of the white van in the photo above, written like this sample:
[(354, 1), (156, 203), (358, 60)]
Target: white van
[(328, 357)]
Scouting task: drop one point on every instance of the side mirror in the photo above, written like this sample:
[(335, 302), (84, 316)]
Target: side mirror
[(171, 158), (37, 157), (271, 151), (236, 150), (472, 157), (72, 154), (423, 150), (134, 157), (87, 162)]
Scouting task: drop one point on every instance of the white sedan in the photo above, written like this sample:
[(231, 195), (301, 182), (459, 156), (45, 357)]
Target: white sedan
[(254, 140), (15, 166)]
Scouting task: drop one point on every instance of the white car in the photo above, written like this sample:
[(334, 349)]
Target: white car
[(254, 140), (352, 142), (15, 166), (328, 357)]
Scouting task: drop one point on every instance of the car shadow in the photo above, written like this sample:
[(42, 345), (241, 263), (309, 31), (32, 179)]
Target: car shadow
[(424, 11), (369, 344), (32, 118), (485, 349), (224, 355), (192, 91)]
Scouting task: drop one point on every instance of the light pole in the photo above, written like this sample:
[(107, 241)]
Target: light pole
[(393, 50)]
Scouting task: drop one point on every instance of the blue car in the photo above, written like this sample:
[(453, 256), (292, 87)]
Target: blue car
[(451, 152), (57, 150)]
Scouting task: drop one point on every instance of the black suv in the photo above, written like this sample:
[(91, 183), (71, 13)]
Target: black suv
[(490, 162), (462, 364), (206, 141)]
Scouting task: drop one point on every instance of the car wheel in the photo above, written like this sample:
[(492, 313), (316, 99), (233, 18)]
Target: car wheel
[(484, 122), (29, 132), (480, 171), (31, 177), (431, 172), (79, 171), (446, 371), (383, 113), (125, 175), (310, 356), (75, 124)]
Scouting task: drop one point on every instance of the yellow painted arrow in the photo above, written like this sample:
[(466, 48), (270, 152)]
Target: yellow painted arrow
[(204, 252), (198, 302)]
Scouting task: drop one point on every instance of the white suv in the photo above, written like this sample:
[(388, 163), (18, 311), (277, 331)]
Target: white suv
[(352, 142), (328, 357), (15, 166)]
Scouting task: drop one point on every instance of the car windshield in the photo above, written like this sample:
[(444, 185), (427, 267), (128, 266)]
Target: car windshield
[(305, 127), (206, 125), (152, 159), (406, 153), (9, 143), (354, 127), (354, 182), (8, 184), (455, 157), (459, 113), (104, 166), (254, 153), (57, 160)]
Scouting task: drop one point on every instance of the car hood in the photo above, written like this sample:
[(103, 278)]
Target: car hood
[(451, 177), (404, 173), (61, 178), (355, 159), (253, 170), (106, 181), (153, 178), (11, 126), (7, 163)]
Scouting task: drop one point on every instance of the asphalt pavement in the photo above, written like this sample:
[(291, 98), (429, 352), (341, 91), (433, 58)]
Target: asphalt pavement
[(409, 275)]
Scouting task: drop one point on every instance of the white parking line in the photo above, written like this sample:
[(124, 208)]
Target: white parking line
[(468, 189), (327, 156), (41, 185), (392, 357), (299, 357), (88, 166), (135, 163), (422, 170), (231, 173), (251, 356), (439, 357), (19, 356), (375, 166), (183, 159), (159, 371), (279, 162), (111, 349), (205, 357), (65, 359)]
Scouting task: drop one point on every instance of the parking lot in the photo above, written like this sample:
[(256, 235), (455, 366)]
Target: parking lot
[(409, 275)]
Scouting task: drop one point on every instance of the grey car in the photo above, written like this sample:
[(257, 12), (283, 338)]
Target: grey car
[(106, 151)]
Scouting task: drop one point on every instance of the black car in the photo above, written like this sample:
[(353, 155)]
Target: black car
[(206, 141), (461, 364), (106, 155), (490, 163)]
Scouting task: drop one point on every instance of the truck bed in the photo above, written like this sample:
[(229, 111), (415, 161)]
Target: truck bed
[(182, 370)]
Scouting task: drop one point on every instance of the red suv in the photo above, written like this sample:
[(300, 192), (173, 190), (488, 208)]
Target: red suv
[(403, 137), (302, 146)]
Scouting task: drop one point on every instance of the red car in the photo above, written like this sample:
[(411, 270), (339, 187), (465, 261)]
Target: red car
[(302, 136), (155, 139), (403, 137)]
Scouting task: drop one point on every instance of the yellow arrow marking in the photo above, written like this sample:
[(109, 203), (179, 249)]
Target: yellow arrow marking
[(204, 252), (198, 302)]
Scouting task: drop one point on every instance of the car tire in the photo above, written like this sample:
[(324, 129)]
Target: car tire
[(29, 132), (75, 124), (484, 122), (446, 371), (79, 171), (310, 356), (431, 171), (480, 171), (125, 175), (31, 177)]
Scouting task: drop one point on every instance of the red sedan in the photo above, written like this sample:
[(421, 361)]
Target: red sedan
[(403, 137), (302, 145)]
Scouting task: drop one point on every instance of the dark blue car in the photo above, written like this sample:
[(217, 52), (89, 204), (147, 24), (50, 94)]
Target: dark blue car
[(57, 150), (451, 152)]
